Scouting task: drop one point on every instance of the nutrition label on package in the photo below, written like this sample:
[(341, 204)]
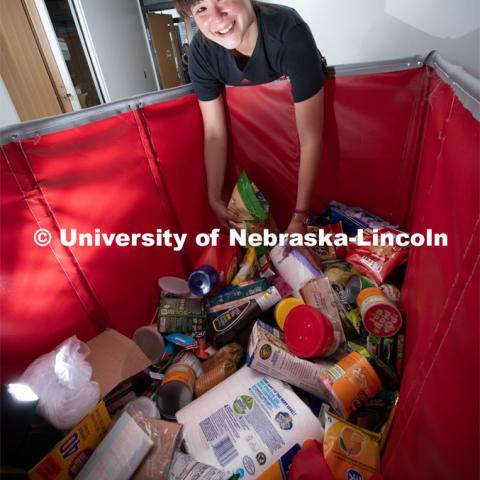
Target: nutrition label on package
[(252, 423)]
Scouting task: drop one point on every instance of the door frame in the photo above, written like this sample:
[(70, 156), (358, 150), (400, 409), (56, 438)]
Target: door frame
[(88, 46), (160, 5), (51, 36)]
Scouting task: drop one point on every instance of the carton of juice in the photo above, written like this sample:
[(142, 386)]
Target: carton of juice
[(351, 452)]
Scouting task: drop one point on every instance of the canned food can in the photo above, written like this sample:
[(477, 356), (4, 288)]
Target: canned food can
[(176, 390), (351, 382), (355, 284)]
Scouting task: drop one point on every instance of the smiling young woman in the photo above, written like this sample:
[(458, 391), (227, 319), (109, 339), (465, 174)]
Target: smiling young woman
[(245, 42)]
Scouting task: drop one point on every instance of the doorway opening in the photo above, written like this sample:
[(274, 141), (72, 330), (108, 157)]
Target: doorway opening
[(169, 36), (71, 45)]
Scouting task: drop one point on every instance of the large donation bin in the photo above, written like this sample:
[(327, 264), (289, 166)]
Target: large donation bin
[(401, 140)]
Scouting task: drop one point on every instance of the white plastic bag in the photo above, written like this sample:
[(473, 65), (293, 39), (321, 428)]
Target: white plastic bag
[(61, 380)]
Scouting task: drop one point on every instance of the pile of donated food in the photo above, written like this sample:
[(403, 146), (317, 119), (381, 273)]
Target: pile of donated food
[(264, 363)]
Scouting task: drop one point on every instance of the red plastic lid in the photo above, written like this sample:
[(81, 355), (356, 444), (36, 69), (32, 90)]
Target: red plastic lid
[(308, 333)]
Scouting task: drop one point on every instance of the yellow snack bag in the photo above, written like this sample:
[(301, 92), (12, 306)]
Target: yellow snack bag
[(351, 452), (248, 268)]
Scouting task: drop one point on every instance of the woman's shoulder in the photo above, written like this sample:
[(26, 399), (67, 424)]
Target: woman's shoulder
[(277, 20)]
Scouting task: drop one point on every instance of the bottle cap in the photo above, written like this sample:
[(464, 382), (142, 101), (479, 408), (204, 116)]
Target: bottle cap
[(203, 280), (284, 308), (308, 333)]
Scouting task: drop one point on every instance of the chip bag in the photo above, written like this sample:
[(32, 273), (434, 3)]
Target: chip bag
[(376, 262), (328, 252), (248, 268), (252, 208), (350, 451)]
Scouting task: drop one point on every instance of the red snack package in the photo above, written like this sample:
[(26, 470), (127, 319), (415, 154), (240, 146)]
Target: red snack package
[(376, 262), (327, 252), (309, 464)]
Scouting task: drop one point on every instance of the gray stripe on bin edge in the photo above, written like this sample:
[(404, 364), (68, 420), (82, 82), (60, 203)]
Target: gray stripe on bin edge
[(383, 66), (57, 123), (466, 86)]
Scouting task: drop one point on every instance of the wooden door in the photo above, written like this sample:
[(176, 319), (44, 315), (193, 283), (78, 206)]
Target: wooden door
[(162, 31), (27, 65)]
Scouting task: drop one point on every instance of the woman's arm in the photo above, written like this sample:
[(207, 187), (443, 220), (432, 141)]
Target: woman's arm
[(309, 116), (215, 153)]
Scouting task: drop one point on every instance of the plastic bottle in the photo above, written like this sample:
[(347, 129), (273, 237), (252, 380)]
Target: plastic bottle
[(309, 333), (229, 325), (215, 268)]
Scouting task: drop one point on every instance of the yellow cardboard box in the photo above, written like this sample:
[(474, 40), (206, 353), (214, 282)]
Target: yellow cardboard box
[(68, 456)]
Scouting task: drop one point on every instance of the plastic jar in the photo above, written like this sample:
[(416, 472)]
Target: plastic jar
[(283, 308), (380, 316), (309, 333), (150, 341)]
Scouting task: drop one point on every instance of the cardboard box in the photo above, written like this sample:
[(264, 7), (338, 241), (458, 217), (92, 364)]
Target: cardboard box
[(68, 456), (239, 292), (114, 358), (183, 315), (267, 353), (119, 454)]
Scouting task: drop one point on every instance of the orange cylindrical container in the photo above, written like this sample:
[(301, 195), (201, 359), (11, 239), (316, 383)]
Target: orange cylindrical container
[(351, 382)]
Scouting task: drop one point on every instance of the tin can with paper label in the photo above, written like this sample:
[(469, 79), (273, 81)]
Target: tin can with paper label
[(351, 382), (176, 390)]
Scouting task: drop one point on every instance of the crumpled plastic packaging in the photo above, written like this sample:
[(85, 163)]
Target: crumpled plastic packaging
[(62, 381)]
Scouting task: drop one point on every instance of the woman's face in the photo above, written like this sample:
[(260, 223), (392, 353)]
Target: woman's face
[(226, 22)]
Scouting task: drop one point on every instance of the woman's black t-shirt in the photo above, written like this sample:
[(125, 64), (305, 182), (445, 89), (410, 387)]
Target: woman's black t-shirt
[(285, 46)]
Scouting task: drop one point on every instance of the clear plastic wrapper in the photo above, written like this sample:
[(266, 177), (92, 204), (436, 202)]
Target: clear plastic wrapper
[(61, 380)]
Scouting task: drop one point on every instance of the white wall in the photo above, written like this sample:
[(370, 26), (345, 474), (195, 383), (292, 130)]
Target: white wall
[(8, 114), (350, 31), (117, 31)]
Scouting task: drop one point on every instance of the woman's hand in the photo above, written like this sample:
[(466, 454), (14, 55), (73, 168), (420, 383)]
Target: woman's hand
[(223, 213), (298, 225)]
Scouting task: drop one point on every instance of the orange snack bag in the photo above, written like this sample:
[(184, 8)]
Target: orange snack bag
[(350, 451)]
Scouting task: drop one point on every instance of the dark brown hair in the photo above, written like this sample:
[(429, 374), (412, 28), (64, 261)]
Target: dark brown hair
[(184, 7)]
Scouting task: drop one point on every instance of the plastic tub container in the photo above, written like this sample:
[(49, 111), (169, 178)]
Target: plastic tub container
[(150, 341), (143, 405), (309, 333), (380, 316)]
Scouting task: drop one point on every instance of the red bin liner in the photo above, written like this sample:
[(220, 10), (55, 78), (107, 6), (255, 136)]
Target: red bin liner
[(398, 144)]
